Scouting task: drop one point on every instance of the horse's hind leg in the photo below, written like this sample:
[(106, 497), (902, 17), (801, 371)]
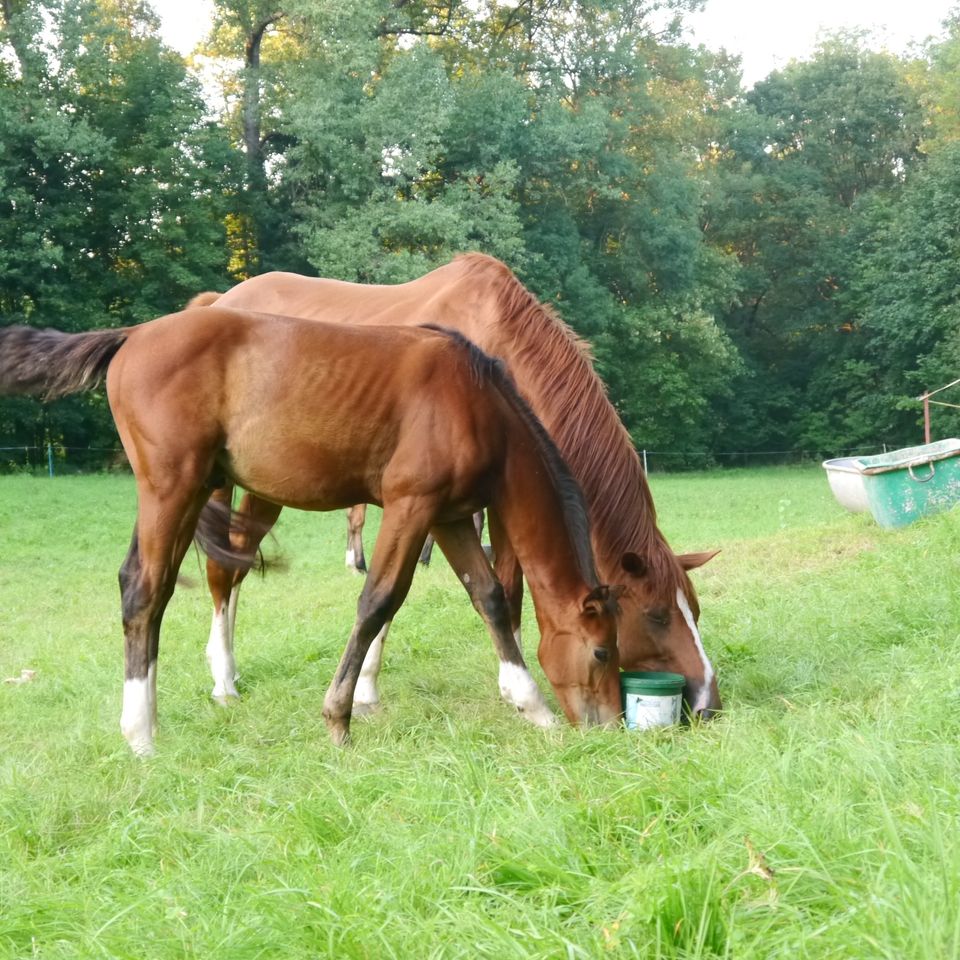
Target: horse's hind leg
[(223, 592), (461, 546), (161, 537), (356, 517), (402, 530), (224, 584)]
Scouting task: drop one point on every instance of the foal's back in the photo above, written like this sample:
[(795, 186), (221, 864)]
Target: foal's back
[(310, 414)]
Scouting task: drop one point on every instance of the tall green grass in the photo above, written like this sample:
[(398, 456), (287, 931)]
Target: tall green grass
[(817, 818)]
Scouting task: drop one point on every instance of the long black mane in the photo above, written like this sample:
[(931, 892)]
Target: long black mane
[(487, 369)]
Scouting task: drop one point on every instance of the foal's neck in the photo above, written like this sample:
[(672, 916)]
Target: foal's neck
[(535, 520)]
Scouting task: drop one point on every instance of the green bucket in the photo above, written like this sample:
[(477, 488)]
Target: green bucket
[(651, 699)]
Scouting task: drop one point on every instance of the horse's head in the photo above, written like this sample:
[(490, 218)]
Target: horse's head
[(581, 661), (658, 629)]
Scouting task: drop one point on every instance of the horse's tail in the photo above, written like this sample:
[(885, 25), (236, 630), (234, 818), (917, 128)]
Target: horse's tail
[(217, 521), (203, 299), (50, 363)]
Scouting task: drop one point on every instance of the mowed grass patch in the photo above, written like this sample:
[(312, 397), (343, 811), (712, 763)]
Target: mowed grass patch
[(817, 818)]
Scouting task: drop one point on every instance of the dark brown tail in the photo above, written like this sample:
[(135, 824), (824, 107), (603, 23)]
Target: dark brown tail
[(50, 363), (216, 522)]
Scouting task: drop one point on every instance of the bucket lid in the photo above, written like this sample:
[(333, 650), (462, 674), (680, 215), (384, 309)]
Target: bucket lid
[(657, 684)]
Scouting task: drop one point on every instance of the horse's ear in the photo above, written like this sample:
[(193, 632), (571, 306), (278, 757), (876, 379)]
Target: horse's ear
[(690, 561), (634, 564), (598, 600)]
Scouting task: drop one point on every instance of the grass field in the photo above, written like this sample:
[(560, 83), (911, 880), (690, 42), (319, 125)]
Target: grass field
[(819, 817)]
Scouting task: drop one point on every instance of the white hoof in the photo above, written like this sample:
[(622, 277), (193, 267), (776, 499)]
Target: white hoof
[(541, 716), (365, 709), (366, 696), (138, 717), (143, 749), (520, 690)]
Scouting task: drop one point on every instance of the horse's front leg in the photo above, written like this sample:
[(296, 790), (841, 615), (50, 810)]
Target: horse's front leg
[(366, 698), (402, 529), (256, 517), (366, 695), (461, 546), (507, 569)]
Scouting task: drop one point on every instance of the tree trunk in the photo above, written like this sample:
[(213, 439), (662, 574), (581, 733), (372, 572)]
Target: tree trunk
[(252, 136)]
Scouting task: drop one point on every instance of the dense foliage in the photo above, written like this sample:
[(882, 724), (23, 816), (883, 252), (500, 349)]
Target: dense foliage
[(766, 269)]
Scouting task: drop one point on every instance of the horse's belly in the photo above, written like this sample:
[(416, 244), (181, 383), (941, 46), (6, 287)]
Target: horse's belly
[(305, 476)]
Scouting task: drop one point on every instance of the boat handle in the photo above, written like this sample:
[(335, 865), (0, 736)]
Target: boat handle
[(920, 479)]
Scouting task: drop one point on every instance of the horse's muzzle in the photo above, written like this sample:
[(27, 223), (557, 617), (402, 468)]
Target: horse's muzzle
[(702, 701)]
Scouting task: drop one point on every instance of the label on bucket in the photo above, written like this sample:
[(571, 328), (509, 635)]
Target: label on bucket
[(642, 711)]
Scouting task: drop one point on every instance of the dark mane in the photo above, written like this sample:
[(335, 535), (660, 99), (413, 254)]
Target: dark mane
[(553, 369), (489, 369)]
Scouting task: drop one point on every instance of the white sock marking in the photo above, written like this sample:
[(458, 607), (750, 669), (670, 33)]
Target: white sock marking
[(234, 600), (518, 688), (351, 558), (223, 667), (707, 667), (138, 717), (366, 692)]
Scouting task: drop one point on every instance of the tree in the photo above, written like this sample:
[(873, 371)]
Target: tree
[(802, 155), (564, 137), (905, 294), (114, 187)]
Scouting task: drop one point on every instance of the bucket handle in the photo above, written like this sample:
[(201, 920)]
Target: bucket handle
[(929, 476)]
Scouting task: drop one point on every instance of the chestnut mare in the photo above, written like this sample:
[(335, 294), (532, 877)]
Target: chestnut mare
[(319, 416), (479, 296)]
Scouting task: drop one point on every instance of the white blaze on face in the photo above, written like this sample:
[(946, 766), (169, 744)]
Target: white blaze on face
[(707, 668), (138, 717)]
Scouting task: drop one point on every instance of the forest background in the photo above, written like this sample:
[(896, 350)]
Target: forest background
[(765, 270)]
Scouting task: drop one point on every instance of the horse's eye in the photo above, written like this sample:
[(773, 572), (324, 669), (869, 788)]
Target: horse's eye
[(601, 654), (659, 617)]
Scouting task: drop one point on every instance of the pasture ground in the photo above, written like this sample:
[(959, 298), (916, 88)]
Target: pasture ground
[(818, 818)]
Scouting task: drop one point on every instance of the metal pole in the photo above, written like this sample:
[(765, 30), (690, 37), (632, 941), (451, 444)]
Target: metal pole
[(926, 418), (50, 458), (645, 471)]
